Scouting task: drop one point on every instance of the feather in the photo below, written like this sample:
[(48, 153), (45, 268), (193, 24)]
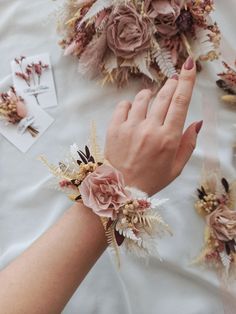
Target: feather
[(144, 247), (141, 62), (91, 59), (164, 60), (127, 233), (202, 47), (110, 62), (136, 193), (97, 7), (70, 50)]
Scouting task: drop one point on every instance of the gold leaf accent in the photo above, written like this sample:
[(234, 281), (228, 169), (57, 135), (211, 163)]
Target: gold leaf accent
[(111, 240)]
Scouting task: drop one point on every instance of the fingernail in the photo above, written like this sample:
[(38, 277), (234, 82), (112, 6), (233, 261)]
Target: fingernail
[(198, 126), (189, 63), (175, 77)]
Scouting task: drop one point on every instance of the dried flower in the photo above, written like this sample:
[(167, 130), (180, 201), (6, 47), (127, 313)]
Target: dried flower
[(165, 13), (104, 191), (185, 21), (31, 74), (222, 222), (128, 33)]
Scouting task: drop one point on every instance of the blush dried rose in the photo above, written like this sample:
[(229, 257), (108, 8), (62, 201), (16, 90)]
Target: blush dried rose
[(128, 32), (222, 222), (16, 100), (21, 109), (104, 191), (165, 13)]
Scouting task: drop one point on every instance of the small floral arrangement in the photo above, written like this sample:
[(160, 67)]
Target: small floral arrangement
[(31, 74), (151, 39), (227, 82), (128, 215), (14, 111), (216, 204)]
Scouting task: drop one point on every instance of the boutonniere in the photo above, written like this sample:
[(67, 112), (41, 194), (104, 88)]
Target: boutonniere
[(217, 205), (13, 110), (227, 83)]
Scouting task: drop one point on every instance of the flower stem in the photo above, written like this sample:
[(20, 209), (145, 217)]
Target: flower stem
[(36, 98), (32, 131)]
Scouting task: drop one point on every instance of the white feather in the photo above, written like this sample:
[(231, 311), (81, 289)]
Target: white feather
[(97, 7), (141, 62)]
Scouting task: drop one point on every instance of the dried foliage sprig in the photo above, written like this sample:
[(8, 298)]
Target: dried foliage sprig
[(217, 205), (227, 83), (122, 39), (31, 73), (128, 215), (14, 111)]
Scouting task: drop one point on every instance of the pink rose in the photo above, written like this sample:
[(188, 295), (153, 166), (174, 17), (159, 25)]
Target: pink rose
[(128, 33), (165, 13), (222, 221), (104, 191)]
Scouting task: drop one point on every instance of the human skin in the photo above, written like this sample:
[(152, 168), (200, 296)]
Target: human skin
[(44, 277)]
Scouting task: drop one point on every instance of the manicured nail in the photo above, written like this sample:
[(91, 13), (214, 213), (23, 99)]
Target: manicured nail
[(198, 126), (175, 77), (189, 64)]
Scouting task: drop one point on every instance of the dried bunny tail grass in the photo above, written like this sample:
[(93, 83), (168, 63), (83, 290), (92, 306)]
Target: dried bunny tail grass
[(93, 143), (230, 99), (91, 59)]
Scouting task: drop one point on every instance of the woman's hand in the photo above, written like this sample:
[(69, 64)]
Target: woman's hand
[(149, 146)]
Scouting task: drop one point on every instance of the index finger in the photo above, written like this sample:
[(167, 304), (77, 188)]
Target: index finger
[(178, 109)]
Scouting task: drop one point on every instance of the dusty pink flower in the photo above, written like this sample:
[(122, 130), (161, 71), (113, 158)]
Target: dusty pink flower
[(222, 221), (128, 33), (165, 13), (21, 109), (104, 191)]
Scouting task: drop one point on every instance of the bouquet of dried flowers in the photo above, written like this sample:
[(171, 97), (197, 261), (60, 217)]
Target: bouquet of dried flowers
[(14, 111), (227, 82), (216, 204), (151, 39)]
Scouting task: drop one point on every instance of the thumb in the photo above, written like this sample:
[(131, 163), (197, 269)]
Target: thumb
[(187, 145)]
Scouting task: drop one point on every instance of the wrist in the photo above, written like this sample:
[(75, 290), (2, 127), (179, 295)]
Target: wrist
[(80, 213)]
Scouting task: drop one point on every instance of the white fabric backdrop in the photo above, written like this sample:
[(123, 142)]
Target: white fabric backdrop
[(28, 207)]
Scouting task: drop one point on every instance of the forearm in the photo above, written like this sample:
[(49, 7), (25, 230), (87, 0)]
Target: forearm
[(45, 276)]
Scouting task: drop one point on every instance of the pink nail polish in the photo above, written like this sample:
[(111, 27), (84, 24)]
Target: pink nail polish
[(175, 77), (189, 64), (198, 126)]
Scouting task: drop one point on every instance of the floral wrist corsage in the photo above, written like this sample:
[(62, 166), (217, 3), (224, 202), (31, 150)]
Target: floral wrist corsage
[(128, 215), (216, 204), (14, 111)]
